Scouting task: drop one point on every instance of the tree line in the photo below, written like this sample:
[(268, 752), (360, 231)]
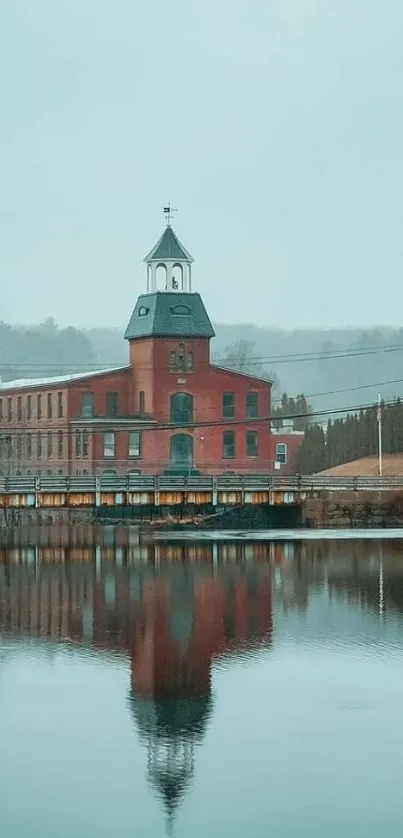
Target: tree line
[(350, 438), (43, 350)]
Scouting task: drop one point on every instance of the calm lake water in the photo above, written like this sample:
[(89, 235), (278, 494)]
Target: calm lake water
[(191, 689)]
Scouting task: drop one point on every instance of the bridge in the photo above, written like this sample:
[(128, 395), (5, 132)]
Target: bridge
[(224, 490)]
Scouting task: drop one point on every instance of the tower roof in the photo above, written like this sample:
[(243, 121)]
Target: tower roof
[(169, 247), (168, 314)]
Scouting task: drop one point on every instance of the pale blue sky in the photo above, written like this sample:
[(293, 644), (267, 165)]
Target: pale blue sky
[(275, 126)]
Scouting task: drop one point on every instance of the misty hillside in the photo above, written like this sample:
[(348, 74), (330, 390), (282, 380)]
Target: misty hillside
[(311, 361)]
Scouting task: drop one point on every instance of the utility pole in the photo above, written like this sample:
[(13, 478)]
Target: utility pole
[(379, 419)]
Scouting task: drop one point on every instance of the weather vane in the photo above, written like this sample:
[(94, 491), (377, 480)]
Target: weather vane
[(169, 212)]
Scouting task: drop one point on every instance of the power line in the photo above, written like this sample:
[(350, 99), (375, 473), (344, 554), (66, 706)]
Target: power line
[(108, 422), (348, 389), (225, 361), (275, 417)]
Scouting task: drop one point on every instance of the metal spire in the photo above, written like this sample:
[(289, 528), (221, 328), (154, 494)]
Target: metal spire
[(169, 212)]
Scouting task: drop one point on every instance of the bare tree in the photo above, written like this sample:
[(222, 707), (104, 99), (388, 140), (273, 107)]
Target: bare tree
[(244, 357)]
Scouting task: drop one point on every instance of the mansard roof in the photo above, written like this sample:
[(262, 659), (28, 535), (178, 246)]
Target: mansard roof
[(169, 314)]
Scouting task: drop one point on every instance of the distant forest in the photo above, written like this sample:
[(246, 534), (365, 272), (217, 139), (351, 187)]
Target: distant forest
[(337, 369)]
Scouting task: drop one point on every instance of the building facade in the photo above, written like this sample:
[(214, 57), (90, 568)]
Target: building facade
[(169, 408)]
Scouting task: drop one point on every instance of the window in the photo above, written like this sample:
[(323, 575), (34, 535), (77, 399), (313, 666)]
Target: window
[(87, 405), (19, 409), (39, 406), (85, 443), (134, 444), (112, 404), (181, 451), (60, 405), (29, 445), (252, 405), (228, 439), (142, 402), (109, 444), (49, 406), (39, 445), (181, 358), (1, 410), (252, 445), (82, 443), (228, 405), (181, 361), (180, 310), (19, 446), (143, 311), (9, 409), (281, 452), (181, 409), (49, 444), (29, 407), (60, 444)]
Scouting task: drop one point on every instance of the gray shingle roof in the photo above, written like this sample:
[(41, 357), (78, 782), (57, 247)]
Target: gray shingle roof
[(169, 247), (169, 314)]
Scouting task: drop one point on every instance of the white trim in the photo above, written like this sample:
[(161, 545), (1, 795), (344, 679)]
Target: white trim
[(36, 383)]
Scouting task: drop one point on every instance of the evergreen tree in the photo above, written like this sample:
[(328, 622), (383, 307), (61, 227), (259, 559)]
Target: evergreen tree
[(351, 438)]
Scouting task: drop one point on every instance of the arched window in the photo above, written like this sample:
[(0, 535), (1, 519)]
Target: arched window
[(181, 412), (181, 360), (181, 357), (181, 451)]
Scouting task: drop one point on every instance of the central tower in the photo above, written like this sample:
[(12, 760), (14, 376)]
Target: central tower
[(169, 336)]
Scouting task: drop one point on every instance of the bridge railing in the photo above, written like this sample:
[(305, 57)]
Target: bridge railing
[(48, 484)]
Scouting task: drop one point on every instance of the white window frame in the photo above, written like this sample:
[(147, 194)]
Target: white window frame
[(134, 450), (109, 444), (282, 453)]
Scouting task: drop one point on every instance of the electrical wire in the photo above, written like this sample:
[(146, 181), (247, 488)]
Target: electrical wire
[(315, 355), (105, 423)]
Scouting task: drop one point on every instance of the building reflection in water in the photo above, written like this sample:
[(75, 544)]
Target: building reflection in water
[(172, 609), (175, 609)]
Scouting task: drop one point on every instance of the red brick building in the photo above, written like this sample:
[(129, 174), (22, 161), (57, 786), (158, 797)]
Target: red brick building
[(169, 408), (285, 445)]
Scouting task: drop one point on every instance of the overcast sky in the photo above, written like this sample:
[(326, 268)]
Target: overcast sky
[(274, 126)]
